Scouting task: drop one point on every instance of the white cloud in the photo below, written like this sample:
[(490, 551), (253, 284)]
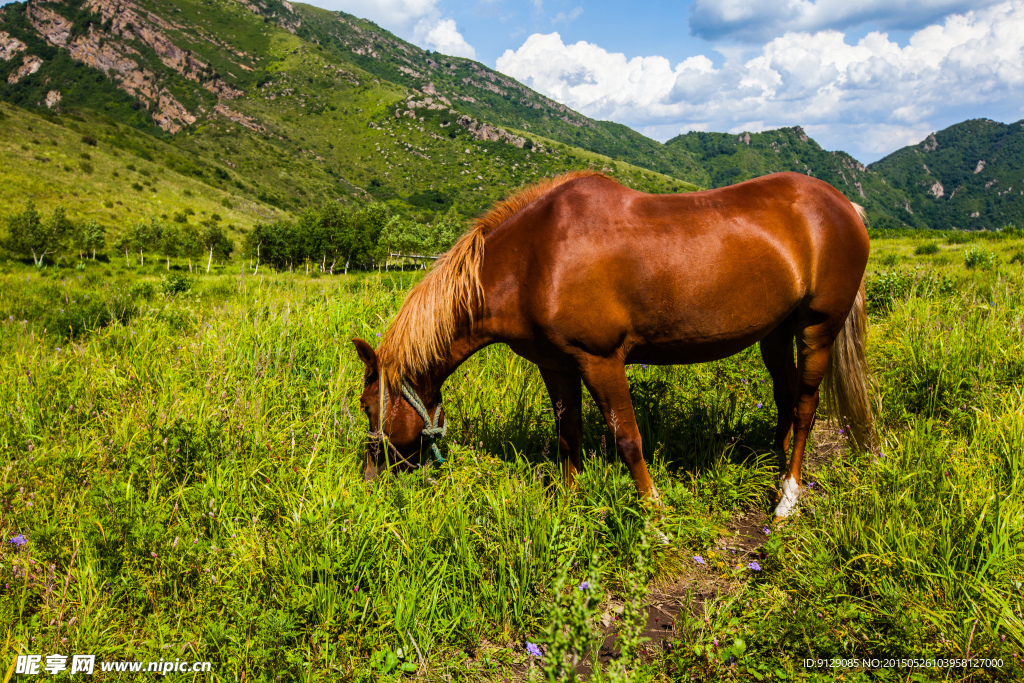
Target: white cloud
[(420, 21), (874, 92), (563, 18), (394, 15), (762, 19), (441, 35)]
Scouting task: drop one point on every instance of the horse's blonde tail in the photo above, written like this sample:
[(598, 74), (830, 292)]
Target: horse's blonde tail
[(847, 381)]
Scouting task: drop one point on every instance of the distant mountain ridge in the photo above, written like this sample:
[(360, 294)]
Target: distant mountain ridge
[(969, 176), (279, 106)]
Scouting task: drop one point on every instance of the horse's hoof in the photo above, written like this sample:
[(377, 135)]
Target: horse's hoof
[(790, 498)]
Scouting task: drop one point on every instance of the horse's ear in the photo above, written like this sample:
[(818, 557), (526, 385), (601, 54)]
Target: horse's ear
[(366, 353)]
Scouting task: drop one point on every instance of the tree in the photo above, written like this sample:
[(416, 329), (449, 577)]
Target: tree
[(446, 231), (139, 237), (171, 240), (89, 237), (360, 239), (323, 233), (273, 242), (213, 240), (29, 235)]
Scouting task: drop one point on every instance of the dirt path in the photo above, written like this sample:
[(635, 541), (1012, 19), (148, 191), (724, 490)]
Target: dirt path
[(692, 588)]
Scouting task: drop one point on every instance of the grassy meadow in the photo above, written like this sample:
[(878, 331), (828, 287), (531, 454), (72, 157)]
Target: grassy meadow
[(182, 474)]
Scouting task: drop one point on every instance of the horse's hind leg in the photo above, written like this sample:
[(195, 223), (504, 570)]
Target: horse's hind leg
[(813, 344), (606, 382), (566, 393), (777, 352)]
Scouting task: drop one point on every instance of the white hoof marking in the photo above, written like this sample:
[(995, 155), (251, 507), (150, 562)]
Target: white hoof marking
[(790, 494)]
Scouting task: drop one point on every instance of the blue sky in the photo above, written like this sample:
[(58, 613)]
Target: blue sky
[(866, 77)]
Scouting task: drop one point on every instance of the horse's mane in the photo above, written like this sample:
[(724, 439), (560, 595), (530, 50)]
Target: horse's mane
[(451, 294)]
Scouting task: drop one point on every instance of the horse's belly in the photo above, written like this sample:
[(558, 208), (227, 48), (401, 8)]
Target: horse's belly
[(684, 353)]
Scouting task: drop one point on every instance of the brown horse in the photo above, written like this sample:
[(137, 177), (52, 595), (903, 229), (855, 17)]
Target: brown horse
[(583, 276)]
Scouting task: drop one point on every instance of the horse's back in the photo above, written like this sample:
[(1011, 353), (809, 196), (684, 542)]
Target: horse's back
[(695, 275)]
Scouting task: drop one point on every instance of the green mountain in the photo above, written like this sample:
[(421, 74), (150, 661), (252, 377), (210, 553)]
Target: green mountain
[(731, 158), (258, 101), (969, 176), (486, 94), (259, 109)]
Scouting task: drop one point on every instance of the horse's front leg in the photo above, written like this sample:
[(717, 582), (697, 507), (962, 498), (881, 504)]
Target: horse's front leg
[(566, 393), (606, 382)]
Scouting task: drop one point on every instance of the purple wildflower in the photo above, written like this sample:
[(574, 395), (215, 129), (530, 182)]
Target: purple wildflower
[(767, 531), (19, 540), (533, 650), (698, 559), (755, 566), (585, 585), (760, 405)]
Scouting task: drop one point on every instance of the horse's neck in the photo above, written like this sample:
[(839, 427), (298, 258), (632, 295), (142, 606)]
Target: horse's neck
[(465, 344)]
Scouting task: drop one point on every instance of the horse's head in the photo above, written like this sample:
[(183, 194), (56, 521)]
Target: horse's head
[(404, 435)]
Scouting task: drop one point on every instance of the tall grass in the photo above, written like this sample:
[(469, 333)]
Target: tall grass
[(187, 477)]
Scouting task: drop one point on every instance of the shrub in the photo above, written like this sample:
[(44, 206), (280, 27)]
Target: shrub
[(89, 140), (977, 257), (960, 237), (177, 283), (927, 249), (889, 260), (142, 290), (1018, 257), (895, 285), (886, 289)]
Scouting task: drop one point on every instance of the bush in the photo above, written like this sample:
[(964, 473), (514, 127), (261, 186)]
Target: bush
[(927, 249), (89, 140), (977, 257), (177, 283), (889, 260), (896, 285), (1018, 257), (142, 290), (960, 237)]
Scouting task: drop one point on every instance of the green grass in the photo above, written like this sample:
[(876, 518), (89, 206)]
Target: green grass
[(185, 462), (90, 165)]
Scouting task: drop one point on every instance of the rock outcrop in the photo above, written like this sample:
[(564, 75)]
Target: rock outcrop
[(9, 46), (238, 118), (111, 51), (29, 65), (53, 98), (485, 131)]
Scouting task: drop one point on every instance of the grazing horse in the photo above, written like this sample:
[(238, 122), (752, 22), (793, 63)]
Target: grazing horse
[(583, 276)]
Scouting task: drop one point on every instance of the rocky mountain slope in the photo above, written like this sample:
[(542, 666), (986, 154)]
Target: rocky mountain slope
[(968, 176), (277, 107), (249, 104)]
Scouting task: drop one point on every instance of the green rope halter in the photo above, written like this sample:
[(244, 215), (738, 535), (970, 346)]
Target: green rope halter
[(431, 429)]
